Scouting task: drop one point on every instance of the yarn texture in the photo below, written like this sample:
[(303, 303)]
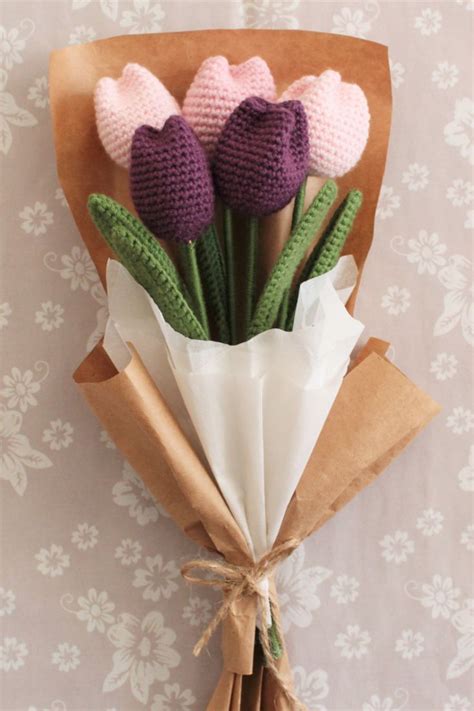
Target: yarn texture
[(171, 182), (124, 104), (218, 88), (262, 156), (338, 121)]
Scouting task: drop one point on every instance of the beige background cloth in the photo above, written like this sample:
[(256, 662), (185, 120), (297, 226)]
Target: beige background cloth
[(377, 606)]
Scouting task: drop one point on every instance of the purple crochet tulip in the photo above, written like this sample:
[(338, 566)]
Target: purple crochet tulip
[(171, 182), (262, 156)]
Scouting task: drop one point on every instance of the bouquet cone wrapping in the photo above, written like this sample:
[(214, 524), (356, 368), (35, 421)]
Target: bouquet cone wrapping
[(377, 410)]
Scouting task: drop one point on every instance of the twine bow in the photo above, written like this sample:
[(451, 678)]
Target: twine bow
[(238, 581)]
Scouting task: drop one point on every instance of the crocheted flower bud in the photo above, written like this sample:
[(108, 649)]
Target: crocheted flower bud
[(218, 88), (122, 105), (171, 183), (338, 121), (262, 156)]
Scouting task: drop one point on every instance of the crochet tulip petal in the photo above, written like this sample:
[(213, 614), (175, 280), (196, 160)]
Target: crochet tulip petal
[(218, 88), (262, 156), (171, 182), (124, 104), (338, 121)]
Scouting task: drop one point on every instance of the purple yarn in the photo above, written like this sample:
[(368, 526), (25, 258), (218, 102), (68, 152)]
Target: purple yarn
[(171, 182), (262, 156)]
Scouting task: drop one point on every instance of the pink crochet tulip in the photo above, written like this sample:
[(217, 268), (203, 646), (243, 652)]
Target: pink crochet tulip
[(122, 105), (218, 88), (338, 121)]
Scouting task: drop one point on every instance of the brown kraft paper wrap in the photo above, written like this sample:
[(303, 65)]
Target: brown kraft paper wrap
[(377, 411)]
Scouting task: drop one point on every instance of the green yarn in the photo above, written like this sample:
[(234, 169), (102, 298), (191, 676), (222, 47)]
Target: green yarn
[(188, 255), (212, 270), (325, 255), (230, 272), (251, 275), (275, 641), (290, 257), (298, 207)]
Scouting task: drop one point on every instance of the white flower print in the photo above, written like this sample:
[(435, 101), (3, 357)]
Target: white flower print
[(440, 596), (426, 252), (82, 34), (466, 475), (50, 316), (388, 203), (77, 268), (297, 589), (10, 114), (397, 548), (16, 452), (311, 687), (66, 657), (144, 653), (469, 221), (467, 537), (56, 705), (463, 622), (36, 219), (351, 22), (460, 192), (410, 644), (12, 654), (106, 440), (354, 642), (416, 177), (132, 492), (197, 611), (20, 388), (396, 300), (458, 132), (7, 602), (157, 578), (456, 277), (430, 522), (38, 93), (85, 536), (457, 703), (52, 562), (389, 703), (146, 16), (173, 699), (445, 76), (271, 14), (99, 295), (345, 589), (58, 435), (95, 609), (108, 7), (460, 420), (397, 72), (13, 42), (429, 22), (60, 197), (128, 551), (444, 366), (5, 312)]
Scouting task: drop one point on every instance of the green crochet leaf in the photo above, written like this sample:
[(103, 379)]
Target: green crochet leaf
[(290, 257), (327, 252), (108, 214), (211, 265)]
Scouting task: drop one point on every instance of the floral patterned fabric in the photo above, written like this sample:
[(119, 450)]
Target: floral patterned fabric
[(377, 607)]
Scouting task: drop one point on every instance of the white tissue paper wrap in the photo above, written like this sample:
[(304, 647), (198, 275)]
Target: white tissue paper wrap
[(258, 407)]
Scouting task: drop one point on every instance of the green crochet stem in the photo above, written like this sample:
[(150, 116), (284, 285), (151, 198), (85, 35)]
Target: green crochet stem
[(188, 255), (298, 209), (251, 276), (292, 254), (148, 272), (276, 645), (108, 214), (325, 255), (230, 272), (211, 266)]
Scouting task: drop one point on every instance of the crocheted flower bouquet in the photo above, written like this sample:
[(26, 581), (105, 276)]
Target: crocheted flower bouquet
[(223, 372)]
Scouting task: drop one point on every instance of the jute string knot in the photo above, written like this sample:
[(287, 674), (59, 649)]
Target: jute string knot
[(238, 581)]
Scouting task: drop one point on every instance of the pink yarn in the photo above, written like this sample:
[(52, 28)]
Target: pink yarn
[(218, 88), (338, 121), (124, 104)]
